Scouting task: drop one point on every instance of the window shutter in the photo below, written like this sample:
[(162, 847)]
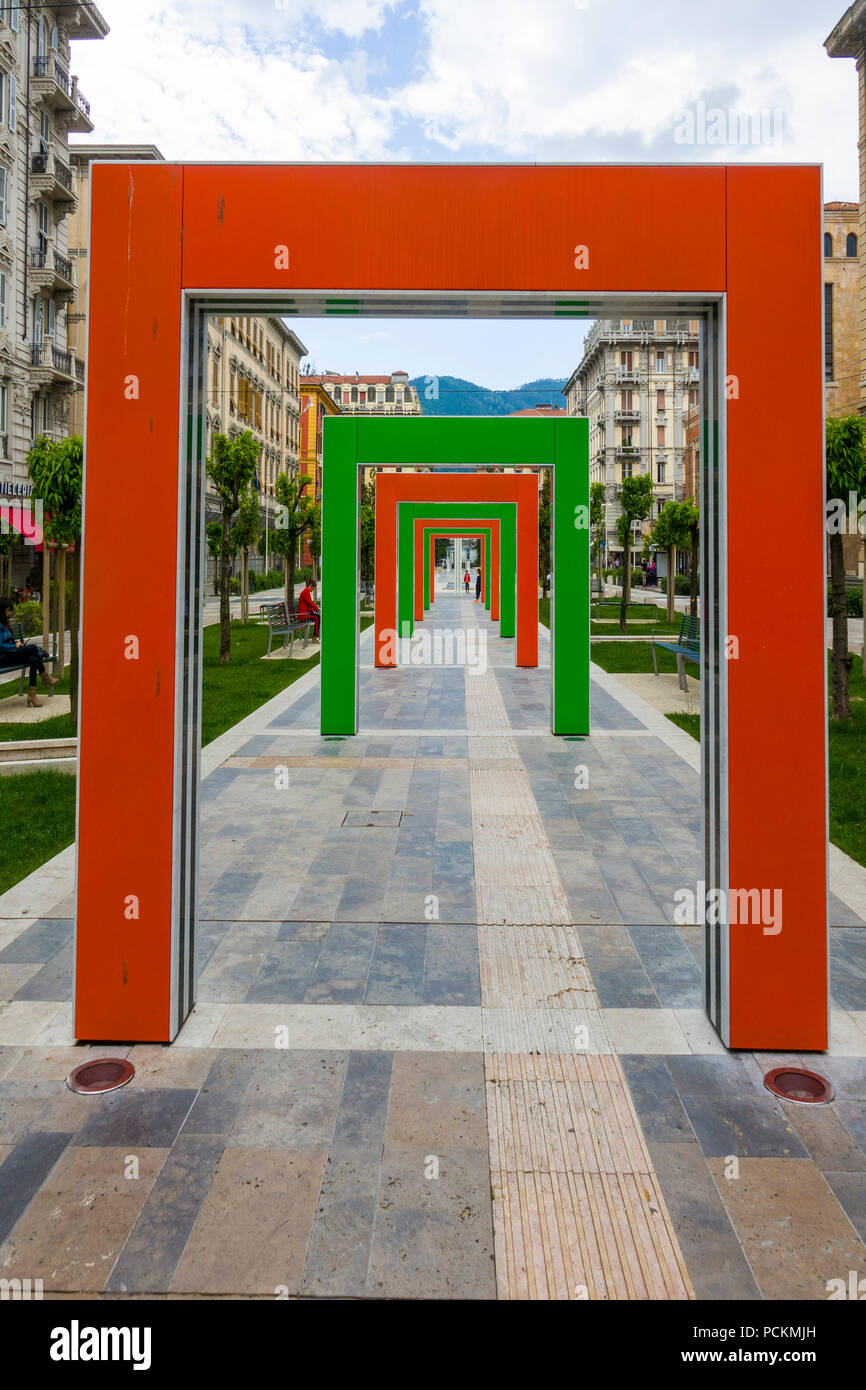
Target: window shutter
[(13, 95), (3, 177)]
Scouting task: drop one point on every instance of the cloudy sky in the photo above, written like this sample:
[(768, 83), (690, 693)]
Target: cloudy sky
[(466, 80)]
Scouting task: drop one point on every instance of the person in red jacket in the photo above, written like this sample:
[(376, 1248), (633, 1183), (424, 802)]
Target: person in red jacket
[(308, 608), (466, 582)]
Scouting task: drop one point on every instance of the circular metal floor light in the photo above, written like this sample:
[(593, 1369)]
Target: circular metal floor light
[(101, 1074), (798, 1084)]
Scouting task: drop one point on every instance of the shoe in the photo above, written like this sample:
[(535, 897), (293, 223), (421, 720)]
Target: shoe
[(49, 681), (31, 698)]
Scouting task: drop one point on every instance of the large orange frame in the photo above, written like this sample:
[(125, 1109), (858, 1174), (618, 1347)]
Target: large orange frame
[(168, 241)]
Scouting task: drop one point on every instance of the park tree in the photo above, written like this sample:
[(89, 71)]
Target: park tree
[(544, 531), (56, 469), (635, 501), (368, 532), (232, 470), (214, 536), (672, 532), (9, 538), (596, 529), (246, 533), (314, 536), (691, 519), (292, 521), (845, 474)]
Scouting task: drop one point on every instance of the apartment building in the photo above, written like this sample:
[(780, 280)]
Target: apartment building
[(372, 395), (253, 383), (40, 106), (841, 308), (636, 382)]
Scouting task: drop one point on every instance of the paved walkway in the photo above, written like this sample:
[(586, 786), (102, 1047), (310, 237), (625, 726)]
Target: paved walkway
[(449, 1042)]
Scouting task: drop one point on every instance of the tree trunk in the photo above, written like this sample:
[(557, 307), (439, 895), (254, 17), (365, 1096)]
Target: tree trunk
[(290, 580), (74, 645), (841, 655), (46, 593), (225, 602), (61, 612), (626, 589), (672, 585), (695, 570), (245, 579)]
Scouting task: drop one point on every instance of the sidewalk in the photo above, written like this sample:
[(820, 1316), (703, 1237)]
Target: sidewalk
[(498, 1080)]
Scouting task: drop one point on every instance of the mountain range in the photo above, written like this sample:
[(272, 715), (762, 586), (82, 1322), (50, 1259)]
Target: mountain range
[(456, 396)]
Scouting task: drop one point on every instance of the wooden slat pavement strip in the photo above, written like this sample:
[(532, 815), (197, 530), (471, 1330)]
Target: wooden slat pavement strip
[(578, 1212)]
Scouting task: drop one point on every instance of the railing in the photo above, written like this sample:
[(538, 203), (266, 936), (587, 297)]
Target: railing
[(63, 174), (61, 361), (45, 354), (62, 266), (79, 368), (50, 67), (626, 415)]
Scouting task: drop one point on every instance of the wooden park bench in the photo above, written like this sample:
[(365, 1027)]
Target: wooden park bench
[(280, 624), (687, 647), (17, 630)]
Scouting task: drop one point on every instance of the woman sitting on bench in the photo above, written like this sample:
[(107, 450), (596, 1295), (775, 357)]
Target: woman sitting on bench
[(308, 610), (15, 653)]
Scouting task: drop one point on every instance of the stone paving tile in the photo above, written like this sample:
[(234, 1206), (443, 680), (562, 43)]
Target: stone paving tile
[(850, 1191), (717, 1266), (25, 1167), (38, 943), (676, 979), (747, 1126), (150, 1119), (339, 1246), (75, 1226), (151, 1253), (827, 1141), (253, 1228), (657, 1101), (794, 1234), (15, 977), (293, 1106), (217, 1104), (852, 1113), (21, 1103)]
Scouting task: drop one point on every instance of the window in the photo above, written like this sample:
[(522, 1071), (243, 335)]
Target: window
[(627, 399), (354, 395), (37, 320), (42, 231), (45, 414), (660, 436), (389, 393), (4, 410), (42, 40), (660, 401), (338, 395), (828, 244), (2, 299), (828, 332), (14, 16), (693, 397), (44, 132), (851, 246), (3, 179), (660, 361), (13, 99), (661, 468)]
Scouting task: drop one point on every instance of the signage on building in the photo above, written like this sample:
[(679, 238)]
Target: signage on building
[(10, 489)]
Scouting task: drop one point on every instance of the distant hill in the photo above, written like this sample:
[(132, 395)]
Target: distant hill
[(459, 397)]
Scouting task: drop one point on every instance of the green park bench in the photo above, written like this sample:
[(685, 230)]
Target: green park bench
[(687, 647)]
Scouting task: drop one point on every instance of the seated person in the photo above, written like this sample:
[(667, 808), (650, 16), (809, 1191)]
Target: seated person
[(308, 608), (16, 653)]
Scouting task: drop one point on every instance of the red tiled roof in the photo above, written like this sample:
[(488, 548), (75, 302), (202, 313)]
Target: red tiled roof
[(841, 207)]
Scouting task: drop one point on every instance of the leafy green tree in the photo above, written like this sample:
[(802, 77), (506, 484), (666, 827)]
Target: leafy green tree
[(8, 541), (214, 536), (596, 528), (691, 519), (232, 469), (635, 501), (544, 531), (292, 521), (246, 533), (314, 536), (846, 474), (56, 471), (672, 532), (368, 532)]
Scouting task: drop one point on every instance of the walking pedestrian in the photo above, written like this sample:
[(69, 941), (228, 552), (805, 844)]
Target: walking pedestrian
[(16, 653), (478, 587), (466, 582)]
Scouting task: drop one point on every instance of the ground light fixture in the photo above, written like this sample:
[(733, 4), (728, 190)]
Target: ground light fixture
[(100, 1074), (800, 1085)]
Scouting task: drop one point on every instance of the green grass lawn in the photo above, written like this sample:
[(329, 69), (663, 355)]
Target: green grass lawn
[(38, 821), (636, 656), (653, 619), (847, 743)]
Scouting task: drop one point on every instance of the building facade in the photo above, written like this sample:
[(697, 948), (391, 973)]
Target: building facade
[(848, 40), (316, 403), (40, 106), (253, 383), (636, 383), (372, 395), (841, 308)]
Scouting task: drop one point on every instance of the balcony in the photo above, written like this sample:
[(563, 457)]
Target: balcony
[(52, 273), (627, 451), (624, 416), (51, 179), (52, 366), (626, 374), (53, 86)]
